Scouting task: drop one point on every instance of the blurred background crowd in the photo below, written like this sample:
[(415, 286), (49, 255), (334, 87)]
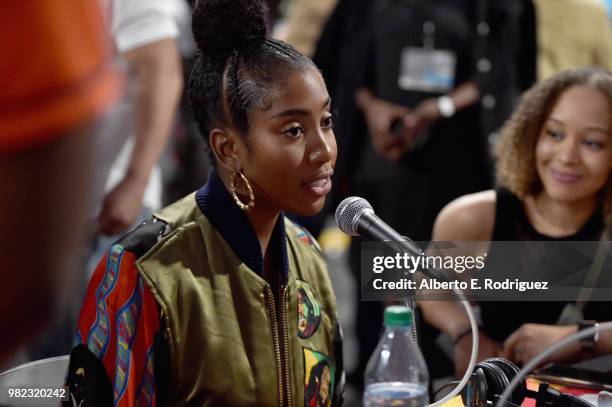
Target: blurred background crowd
[(146, 151)]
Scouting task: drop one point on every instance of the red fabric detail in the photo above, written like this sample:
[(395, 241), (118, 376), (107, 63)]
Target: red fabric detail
[(306, 239), (147, 326), (148, 323)]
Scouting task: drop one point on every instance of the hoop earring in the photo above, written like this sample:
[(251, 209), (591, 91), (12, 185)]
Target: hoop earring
[(243, 206)]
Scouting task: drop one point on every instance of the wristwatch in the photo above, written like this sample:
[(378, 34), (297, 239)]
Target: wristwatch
[(588, 343), (446, 106)]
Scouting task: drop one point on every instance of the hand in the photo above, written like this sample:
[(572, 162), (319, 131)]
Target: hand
[(532, 339), (425, 114), (487, 348), (121, 206), (379, 115), (418, 121)]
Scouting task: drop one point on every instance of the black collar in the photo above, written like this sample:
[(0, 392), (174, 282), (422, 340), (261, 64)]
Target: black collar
[(219, 207)]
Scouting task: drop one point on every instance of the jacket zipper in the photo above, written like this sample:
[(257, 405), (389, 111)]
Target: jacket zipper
[(285, 349), (277, 349)]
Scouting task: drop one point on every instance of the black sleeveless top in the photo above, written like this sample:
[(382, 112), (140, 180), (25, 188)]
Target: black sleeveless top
[(512, 224), (501, 318)]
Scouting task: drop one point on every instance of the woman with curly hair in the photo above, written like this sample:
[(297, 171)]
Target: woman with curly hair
[(199, 305), (554, 159)]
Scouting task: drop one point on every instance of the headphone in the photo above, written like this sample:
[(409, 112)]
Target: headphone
[(492, 376)]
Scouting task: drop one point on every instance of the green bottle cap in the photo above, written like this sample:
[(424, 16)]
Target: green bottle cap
[(398, 315)]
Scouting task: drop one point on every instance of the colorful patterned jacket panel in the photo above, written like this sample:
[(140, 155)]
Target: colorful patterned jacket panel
[(118, 332)]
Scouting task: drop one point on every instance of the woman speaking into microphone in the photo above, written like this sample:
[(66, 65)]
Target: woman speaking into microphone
[(219, 299)]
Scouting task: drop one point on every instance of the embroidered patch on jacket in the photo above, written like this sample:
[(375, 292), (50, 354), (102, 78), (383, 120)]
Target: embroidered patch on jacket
[(319, 379), (78, 386), (305, 237), (309, 310)]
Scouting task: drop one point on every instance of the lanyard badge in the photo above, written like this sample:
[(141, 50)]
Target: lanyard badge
[(427, 69)]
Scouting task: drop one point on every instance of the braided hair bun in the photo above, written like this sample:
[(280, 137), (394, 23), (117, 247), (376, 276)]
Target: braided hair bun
[(238, 67), (221, 26)]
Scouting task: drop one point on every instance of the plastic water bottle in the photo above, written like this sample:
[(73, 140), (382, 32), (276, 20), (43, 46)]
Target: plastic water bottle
[(396, 374)]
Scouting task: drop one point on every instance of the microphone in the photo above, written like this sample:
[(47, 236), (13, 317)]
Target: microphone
[(355, 216)]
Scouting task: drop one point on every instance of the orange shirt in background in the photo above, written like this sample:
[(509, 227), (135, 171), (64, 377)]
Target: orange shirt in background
[(55, 72)]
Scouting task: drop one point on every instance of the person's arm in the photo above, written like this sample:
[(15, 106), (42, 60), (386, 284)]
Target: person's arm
[(305, 22), (604, 344), (431, 110), (157, 73), (532, 339), (119, 337), (468, 218), (379, 116)]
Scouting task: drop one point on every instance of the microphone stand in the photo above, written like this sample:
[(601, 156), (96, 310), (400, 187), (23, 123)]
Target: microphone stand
[(366, 223), (405, 244)]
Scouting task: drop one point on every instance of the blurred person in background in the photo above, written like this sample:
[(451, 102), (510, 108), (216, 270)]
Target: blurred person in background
[(187, 168), (554, 160), (145, 35), (303, 23), (127, 184), (419, 87), (572, 34), (56, 80)]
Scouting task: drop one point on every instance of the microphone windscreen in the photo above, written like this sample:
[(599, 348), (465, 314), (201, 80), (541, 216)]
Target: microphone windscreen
[(348, 213)]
